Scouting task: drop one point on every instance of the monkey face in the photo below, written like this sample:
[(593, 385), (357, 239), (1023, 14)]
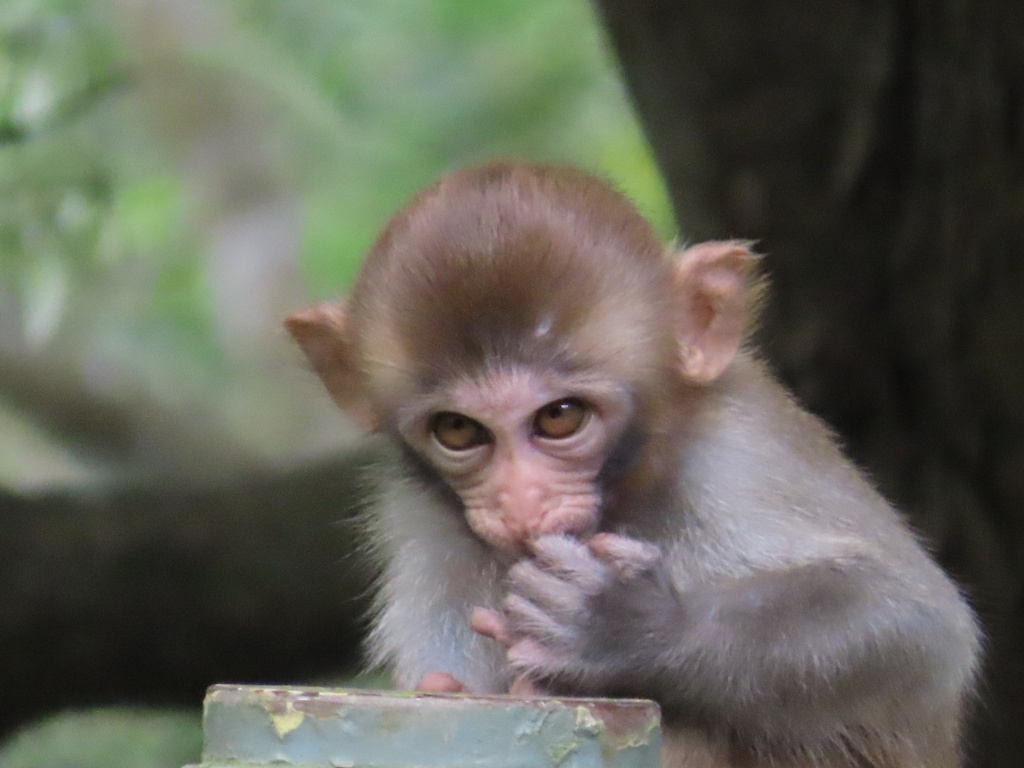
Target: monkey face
[(522, 449), (509, 323)]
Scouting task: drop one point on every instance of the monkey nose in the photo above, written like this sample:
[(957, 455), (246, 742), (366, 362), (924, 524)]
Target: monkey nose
[(522, 511)]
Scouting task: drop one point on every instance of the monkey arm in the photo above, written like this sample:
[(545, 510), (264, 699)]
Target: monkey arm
[(825, 639), (429, 646), (420, 629), (803, 648)]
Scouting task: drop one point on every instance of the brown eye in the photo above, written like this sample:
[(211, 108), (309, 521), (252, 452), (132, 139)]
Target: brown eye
[(560, 419), (457, 432)]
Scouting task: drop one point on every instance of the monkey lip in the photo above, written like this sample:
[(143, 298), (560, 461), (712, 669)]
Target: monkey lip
[(521, 543), (515, 547)]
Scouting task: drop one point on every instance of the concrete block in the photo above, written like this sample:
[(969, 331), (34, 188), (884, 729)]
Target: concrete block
[(251, 726)]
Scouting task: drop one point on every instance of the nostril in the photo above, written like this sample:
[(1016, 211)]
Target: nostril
[(522, 510)]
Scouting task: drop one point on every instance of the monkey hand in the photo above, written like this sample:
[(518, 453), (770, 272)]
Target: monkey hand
[(583, 618), (439, 682), (492, 625)]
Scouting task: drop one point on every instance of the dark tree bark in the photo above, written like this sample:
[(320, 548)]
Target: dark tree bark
[(148, 595), (876, 153)]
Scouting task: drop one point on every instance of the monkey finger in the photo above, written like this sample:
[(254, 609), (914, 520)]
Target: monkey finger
[(525, 686), (489, 624), (628, 557), (525, 618), (533, 658), (557, 549), (570, 559), (440, 682), (554, 595)]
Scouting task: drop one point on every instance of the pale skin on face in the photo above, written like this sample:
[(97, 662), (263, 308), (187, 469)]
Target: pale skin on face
[(530, 469)]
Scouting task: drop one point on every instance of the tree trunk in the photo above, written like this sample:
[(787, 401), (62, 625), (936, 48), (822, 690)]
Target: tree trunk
[(876, 154), (149, 595)]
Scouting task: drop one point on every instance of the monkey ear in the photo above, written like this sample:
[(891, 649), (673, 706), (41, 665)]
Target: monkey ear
[(322, 333), (712, 283)]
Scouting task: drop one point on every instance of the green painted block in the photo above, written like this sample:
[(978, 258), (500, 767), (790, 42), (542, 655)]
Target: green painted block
[(247, 726)]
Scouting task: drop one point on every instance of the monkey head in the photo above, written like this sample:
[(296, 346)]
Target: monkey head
[(511, 324)]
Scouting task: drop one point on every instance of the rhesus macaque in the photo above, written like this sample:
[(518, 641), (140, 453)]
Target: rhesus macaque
[(598, 489)]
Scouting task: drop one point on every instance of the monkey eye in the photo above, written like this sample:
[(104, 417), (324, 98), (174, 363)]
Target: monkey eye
[(457, 432), (560, 419)]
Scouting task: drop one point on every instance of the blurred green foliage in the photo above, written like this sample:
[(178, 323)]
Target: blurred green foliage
[(371, 99), (142, 140), (109, 738)]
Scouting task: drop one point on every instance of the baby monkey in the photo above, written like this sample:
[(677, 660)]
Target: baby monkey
[(598, 489)]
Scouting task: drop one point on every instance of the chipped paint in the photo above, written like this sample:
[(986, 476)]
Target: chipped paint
[(587, 723), (287, 722), (560, 753), (532, 725)]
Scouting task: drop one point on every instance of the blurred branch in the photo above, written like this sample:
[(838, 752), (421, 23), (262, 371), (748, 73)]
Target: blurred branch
[(148, 595), (135, 433)]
